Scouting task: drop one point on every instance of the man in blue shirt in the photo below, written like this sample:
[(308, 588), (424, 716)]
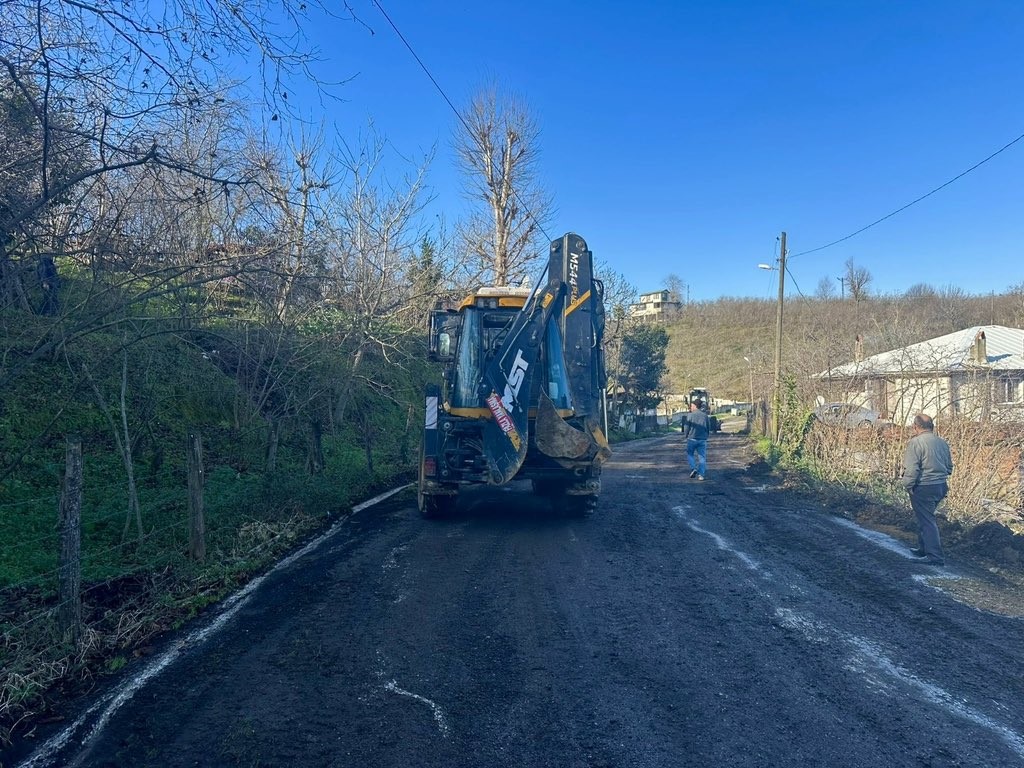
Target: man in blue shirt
[(698, 424)]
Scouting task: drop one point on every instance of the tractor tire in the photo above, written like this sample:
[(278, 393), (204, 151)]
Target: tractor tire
[(580, 506), (431, 505)]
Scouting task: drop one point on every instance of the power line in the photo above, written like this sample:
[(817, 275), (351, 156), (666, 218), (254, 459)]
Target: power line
[(448, 101), (795, 285), (912, 202)]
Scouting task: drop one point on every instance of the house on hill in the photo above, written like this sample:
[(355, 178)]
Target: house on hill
[(977, 373), (655, 305)]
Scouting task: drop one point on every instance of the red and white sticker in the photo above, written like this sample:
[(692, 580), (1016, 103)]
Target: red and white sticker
[(503, 419)]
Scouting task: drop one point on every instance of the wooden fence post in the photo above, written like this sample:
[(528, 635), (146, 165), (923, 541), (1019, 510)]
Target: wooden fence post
[(69, 589), (196, 522)]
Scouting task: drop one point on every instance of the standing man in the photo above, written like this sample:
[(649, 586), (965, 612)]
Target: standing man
[(927, 464), (698, 424)]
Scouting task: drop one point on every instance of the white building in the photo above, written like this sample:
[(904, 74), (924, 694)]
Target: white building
[(977, 372), (654, 305)]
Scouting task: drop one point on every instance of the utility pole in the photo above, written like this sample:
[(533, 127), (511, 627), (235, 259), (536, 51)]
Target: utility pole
[(776, 397), (750, 369), (842, 287)]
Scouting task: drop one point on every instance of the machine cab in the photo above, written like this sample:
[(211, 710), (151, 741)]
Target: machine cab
[(467, 339)]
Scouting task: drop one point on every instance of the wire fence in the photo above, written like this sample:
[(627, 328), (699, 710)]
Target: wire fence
[(86, 576), (53, 592)]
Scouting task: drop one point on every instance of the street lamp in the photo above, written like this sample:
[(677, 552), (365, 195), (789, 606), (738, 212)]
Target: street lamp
[(778, 337)]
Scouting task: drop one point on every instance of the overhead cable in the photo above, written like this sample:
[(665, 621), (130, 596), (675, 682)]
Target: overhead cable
[(912, 202), (449, 102)]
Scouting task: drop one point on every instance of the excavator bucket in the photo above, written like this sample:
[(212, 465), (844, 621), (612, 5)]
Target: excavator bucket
[(556, 437)]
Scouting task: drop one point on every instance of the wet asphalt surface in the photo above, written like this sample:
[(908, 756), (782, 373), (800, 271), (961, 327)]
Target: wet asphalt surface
[(682, 624)]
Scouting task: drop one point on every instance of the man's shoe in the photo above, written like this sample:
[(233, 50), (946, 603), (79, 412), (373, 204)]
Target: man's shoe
[(915, 552), (934, 561), (693, 474), (700, 477)]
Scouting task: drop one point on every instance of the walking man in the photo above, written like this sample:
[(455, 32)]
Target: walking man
[(927, 464), (698, 424)]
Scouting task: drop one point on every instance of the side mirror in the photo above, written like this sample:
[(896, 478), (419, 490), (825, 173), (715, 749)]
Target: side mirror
[(443, 326)]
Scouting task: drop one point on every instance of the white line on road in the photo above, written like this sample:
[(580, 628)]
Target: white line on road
[(863, 653), (876, 537), (378, 499), (724, 545), (442, 724), (867, 654)]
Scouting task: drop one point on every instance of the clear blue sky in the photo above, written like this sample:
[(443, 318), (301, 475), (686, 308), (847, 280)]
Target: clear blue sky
[(683, 137)]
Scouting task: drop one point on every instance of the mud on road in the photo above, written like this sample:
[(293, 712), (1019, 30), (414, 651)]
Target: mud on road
[(729, 622)]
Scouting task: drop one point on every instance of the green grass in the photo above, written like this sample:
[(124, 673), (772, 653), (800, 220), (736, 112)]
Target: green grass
[(131, 589)]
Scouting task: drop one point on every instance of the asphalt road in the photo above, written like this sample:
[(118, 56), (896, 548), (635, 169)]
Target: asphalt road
[(720, 623)]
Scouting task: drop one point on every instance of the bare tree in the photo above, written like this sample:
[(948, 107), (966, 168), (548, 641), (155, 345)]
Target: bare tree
[(678, 291), (826, 290), (952, 300), (497, 149), (296, 189), (857, 280), (91, 89), (920, 291), (619, 296), (373, 273)]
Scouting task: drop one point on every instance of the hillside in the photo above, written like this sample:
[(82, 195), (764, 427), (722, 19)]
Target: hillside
[(291, 421), (709, 340)]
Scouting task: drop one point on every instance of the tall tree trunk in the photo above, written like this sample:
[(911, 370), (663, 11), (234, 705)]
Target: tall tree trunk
[(134, 512), (122, 438), (273, 439), (315, 455), (346, 387)]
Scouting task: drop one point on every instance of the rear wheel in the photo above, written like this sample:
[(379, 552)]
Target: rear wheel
[(580, 506), (431, 505)]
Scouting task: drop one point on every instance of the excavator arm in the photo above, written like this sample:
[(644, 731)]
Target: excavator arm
[(572, 299), (506, 382)]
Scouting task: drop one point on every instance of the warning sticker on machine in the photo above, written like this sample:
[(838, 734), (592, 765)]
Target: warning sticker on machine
[(503, 420)]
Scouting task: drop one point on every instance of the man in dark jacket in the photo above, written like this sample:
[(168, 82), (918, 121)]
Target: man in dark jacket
[(696, 429), (927, 464)]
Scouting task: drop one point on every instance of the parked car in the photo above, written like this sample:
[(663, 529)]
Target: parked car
[(846, 415)]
